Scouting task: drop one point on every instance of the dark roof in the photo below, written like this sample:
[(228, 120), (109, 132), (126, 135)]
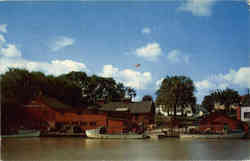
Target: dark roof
[(134, 107), (54, 103), (60, 106)]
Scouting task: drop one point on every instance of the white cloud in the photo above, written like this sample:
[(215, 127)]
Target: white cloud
[(150, 52), (109, 71), (10, 51), (239, 79), (135, 79), (204, 84), (198, 7), (175, 56), (11, 56), (146, 31), (65, 66), (3, 28), (158, 83), (2, 39), (55, 67), (61, 42), (204, 87), (128, 77)]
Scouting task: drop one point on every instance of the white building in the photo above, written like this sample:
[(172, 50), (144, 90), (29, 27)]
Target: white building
[(161, 110), (245, 114)]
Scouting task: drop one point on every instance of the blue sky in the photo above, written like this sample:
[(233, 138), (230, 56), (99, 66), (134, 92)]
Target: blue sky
[(206, 40)]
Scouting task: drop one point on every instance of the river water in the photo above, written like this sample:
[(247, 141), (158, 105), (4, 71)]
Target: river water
[(46, 148)]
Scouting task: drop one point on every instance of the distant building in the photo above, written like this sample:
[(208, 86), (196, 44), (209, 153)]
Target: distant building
[(160, 109), (243, 114), (219, 106)]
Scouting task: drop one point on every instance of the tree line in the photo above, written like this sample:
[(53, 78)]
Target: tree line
[(74, 88), (177, 93), (77, 88)]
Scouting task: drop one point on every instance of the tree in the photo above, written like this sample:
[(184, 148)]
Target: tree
[(225, 97), (130, 92), (147, 98), (73, 88), (15, 84), (20, 86), (208, 103), (79, 79), (175, 92), (246, 99)]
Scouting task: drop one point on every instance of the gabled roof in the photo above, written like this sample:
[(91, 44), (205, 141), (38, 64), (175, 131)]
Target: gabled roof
[(141, 107), (58, 105), (54, 103), (134, 107)]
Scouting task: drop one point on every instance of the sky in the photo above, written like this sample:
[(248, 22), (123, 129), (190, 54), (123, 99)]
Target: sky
[(205, 40)]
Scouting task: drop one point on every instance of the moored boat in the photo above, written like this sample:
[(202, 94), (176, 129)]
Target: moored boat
[(96, 133), (23, 133), (213, 136)]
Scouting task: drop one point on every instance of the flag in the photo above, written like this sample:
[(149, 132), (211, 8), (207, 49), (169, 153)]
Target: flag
[(137, 65)]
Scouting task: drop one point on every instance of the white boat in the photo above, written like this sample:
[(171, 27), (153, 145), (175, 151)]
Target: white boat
[(213, 136), (23, 133), (95, 133)]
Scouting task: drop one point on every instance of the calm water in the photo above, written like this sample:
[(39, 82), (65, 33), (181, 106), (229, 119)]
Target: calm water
[(91, 149)]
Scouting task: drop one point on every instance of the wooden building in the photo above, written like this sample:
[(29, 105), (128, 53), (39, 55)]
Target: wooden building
[(128, 115), (218, 122), (48, 114)]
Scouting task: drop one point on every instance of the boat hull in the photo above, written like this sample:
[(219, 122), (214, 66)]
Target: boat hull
[(212, 136), (28, 134), (94, 133)]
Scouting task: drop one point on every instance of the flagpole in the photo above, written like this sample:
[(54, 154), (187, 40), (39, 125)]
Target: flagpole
[(137, 66)]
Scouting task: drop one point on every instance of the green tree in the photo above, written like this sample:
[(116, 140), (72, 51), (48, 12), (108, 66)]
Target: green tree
[(131, 92), (20, 86), (120, 91), (73, 88), (208, 103), (246, 99), (175, 92), (80, 79), (15, 84), (225, 97)]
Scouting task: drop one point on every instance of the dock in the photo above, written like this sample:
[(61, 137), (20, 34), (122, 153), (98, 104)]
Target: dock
[(60, 134), (165, 132)]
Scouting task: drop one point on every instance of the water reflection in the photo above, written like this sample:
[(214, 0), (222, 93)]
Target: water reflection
[(91, 149)]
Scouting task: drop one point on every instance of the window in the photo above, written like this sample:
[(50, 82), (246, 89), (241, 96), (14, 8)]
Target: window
[(246, 115), (83, 123), (92, 123)]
